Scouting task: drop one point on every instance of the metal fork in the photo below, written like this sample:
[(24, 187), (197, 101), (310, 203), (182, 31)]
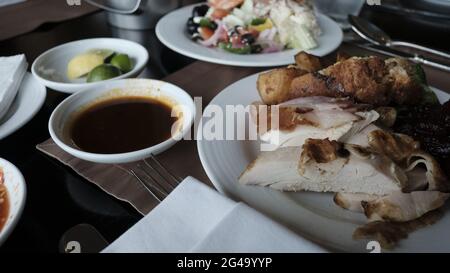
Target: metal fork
[(159, 181)]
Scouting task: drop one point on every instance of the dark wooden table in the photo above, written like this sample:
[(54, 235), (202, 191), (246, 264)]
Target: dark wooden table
[(58, 199)]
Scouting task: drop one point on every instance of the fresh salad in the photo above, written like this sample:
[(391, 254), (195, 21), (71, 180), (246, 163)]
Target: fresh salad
[(255, 26)]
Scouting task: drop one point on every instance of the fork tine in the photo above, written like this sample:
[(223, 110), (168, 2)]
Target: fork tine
[(145, 186), (159, 181), (174, 178)]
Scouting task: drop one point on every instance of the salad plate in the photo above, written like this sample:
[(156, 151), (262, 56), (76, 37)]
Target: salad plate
[(312, 215), (171, 31)]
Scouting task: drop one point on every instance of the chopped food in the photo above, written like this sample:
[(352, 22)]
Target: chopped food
[(101, 61), (254, 26), (367, 129), (388, 234), (103, 72), (123, 62), (430, 125), (82, 64), (4, 206)]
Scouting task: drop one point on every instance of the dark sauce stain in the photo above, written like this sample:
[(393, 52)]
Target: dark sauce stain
[(122, 125)]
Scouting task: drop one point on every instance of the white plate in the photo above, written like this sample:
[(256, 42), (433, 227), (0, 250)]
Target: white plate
[(28, 102), (312, 215), (51, 66), (17, 191), (171, 31)]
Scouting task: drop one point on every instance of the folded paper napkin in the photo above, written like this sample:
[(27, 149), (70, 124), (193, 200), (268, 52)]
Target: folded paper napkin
[(195, 218), (12, 71)]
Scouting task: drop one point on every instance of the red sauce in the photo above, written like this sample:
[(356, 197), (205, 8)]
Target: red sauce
[(4, 203)]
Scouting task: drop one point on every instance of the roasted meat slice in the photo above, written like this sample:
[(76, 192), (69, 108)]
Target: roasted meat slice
[(388, 234), (353, 201), (402, 207), (298, 169), (361, 78), (274, 86), (313, 117), (368, 80)]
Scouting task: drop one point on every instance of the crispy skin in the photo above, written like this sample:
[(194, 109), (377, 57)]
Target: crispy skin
[(390, 233), (360, 78), (308, 62), (274, 86), (342, 56), (406, 89), (370, 80), (363, 78), (321, 150), (316, 84)]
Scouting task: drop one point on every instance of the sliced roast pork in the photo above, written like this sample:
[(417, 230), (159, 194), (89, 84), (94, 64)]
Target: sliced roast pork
[(402, 207), (353, 201), (322, 166), (313, 117), (395, 207)]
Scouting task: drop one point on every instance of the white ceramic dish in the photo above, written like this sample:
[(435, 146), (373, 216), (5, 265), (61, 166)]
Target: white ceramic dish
[(16, 187), (312, 215), (50, 67), (28, 102), (171, 31), (127, 87)]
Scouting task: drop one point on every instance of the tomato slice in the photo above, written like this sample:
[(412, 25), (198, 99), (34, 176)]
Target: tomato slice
[(205, 33)]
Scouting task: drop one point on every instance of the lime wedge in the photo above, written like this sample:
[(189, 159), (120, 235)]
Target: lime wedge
[(123, 62), (103, 72)]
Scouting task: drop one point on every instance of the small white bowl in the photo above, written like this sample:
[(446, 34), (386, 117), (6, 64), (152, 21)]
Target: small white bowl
[(17, 192), (51, 66), (63, 114)]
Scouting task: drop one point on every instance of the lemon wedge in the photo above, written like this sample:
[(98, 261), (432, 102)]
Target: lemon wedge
[(82, 64), (268, 24)]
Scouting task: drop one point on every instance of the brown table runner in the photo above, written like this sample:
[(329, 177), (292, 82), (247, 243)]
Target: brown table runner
[(200, 79)]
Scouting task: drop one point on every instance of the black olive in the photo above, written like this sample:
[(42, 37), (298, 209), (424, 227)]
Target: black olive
[(248, 38), (235, 31), (257, 49), (200, 11), (191, 26), (196, 37)]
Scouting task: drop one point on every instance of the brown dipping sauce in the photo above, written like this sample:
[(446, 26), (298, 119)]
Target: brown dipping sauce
[(121, 125), (4, 204)]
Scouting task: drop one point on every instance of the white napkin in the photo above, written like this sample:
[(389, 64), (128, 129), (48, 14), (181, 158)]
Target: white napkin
[(12, 72), (195, 218)]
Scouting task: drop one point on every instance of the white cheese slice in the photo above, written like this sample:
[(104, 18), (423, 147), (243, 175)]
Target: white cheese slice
[(12, 71)]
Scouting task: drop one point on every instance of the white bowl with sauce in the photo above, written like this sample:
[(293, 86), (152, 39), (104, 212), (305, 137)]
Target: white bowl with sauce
[(64, 119), (16, 196)]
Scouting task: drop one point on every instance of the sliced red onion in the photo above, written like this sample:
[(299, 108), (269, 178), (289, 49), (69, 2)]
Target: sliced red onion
[(267, 41), (268, 34), (220, 33)]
